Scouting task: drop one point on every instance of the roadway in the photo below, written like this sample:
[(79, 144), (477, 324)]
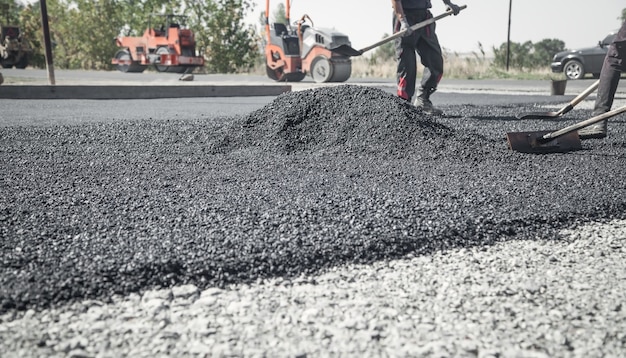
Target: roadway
[(163, 95), (91, 81)]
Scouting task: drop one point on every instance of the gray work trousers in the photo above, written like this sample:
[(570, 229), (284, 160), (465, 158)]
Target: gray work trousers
[(423, 42), (612, 69)]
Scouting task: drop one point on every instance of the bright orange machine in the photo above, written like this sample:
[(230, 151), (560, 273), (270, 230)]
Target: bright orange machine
[(293, 53), (170, 48)]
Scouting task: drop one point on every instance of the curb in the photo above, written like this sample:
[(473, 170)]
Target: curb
[(138, 91)]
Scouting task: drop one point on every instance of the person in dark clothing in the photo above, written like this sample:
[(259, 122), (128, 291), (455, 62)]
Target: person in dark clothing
[(610, 74), (422, 42)]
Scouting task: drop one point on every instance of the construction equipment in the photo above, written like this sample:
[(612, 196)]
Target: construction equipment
[(171, 47), (562, 111), (346, 50), (560, 141), (14, 48), (293, 53)]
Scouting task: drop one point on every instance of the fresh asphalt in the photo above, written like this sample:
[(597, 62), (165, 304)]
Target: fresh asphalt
[(105, 199)]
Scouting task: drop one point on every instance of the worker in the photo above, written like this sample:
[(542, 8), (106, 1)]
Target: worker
[(422, 42), (614, 64)]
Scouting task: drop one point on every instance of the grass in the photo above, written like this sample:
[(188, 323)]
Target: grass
[(468, 67), (474, 66)]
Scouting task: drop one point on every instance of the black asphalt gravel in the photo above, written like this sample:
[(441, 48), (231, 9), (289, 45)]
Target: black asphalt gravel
[(315, 179)]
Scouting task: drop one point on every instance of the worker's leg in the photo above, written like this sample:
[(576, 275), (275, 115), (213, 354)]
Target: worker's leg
[(406, 63), (431, 57), (430, 54), (609, 79), (610, 74)]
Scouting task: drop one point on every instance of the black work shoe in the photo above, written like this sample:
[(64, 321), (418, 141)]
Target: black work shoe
[(426, 106), (597, 130)]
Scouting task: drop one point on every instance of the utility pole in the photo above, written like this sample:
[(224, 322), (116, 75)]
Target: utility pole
[(46, 39), (508, 38)]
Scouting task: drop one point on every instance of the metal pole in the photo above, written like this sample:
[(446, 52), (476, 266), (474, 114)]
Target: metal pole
[(508, 38), (46, 39)]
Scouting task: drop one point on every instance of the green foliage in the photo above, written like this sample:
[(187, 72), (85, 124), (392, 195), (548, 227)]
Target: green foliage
[(9, 12), (280, 14), (136, 15), (30, 24), (545, 49), (384, 52), (527, 56), (221, 36), (83, 31), (85, 34), (623, 17)]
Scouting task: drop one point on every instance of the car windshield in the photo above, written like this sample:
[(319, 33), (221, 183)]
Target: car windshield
[(608, 40)]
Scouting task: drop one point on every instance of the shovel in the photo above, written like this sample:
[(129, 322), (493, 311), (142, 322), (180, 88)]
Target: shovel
[(347, 50), (561, 141), (562, 111)]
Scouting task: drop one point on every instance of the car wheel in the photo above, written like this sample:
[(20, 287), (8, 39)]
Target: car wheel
[(574, 70)]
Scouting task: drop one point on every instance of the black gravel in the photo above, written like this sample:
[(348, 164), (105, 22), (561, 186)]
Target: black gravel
[(315, 179)]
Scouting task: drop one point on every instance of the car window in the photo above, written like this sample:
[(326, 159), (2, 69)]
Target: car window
[(608, 40)]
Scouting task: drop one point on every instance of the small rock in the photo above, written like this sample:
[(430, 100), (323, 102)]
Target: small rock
[(185, 291), (78, 353), (186, 77)]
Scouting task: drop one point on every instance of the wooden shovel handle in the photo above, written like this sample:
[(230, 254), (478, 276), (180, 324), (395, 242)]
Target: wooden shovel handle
[(578, 99), (584, 123), (414, 27)]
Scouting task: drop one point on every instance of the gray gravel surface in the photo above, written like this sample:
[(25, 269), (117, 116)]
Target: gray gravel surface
[(100, 215), (555, 298)]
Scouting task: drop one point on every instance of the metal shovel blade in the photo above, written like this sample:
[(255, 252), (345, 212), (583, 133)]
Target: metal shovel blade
[(539, 115), (562, 140), (534, 142), (346, 50), (562, 111)]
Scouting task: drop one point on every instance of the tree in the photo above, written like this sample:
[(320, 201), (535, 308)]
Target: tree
[(9, 12), (518, 55), (280, 14), (30, 23), (544, 50), (136, 14), (226, 43), (528, 56), (83, 31), (384, 52), (88, 41)]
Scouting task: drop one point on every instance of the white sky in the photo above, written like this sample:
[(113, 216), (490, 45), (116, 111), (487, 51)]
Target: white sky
[(576, 22)]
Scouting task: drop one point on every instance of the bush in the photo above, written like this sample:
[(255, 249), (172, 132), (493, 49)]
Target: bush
[(527, 56)]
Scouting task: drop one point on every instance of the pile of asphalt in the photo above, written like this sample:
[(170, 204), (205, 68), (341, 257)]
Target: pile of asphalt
[(316, 179), (344, 119)]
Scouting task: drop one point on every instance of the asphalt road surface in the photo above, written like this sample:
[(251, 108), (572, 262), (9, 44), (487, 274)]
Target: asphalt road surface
[(330, 221)]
